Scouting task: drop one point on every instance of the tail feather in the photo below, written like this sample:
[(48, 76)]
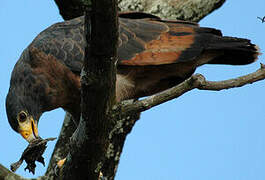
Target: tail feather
[(235, 51)]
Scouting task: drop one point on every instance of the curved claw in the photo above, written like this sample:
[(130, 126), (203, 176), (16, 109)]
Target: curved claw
[(61, 162), (58, 166)]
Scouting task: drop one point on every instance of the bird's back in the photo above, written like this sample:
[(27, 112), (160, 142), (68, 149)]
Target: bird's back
[(147, 41)]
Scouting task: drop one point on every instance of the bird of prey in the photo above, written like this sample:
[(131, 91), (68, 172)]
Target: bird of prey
[(153, 55)]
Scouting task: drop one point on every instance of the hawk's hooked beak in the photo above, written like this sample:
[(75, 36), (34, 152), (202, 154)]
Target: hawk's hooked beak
[(29, 130)]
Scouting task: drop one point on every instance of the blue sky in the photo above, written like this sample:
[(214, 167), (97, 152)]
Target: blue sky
[(202, 135)]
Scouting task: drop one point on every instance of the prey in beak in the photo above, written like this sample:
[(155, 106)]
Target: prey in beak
[(27, 127)]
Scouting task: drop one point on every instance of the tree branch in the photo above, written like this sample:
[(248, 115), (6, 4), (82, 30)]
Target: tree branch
[(62, 146), (117, 137), (90, 141), (5, 174), (196, 81), (236, 82), (189, 10)]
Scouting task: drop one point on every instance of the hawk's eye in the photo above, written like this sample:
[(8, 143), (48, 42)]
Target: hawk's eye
[(22, 117)]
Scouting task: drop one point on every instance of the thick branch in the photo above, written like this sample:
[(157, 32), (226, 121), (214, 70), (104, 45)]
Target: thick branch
[(189, 10), (90, 140), (5, 174), (196, 81), (62, 146), (117, 137)]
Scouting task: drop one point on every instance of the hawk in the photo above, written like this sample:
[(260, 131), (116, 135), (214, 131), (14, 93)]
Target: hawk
[(153, 55)]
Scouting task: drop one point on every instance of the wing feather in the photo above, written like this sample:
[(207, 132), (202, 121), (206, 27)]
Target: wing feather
[(146, 40), (157, 42)]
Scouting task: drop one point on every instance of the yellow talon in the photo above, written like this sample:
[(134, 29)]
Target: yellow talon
[(61, 163)]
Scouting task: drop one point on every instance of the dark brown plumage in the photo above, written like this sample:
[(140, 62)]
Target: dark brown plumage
[(153, 55)]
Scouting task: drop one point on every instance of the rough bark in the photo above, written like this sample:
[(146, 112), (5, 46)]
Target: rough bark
[(189, 10), (6, 174), (89, 143), (62, 146), (123, 126)]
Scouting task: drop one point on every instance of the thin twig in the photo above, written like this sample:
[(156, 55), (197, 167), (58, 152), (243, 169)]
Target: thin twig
[(196, 81)]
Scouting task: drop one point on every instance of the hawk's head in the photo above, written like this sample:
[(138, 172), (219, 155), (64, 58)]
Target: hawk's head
[(23, 101), (39, 83)]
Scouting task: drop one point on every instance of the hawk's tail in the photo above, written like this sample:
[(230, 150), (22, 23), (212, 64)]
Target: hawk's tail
[(235, 51)]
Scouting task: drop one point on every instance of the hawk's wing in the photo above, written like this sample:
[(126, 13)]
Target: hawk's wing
[(155, 42), (144, 40)]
